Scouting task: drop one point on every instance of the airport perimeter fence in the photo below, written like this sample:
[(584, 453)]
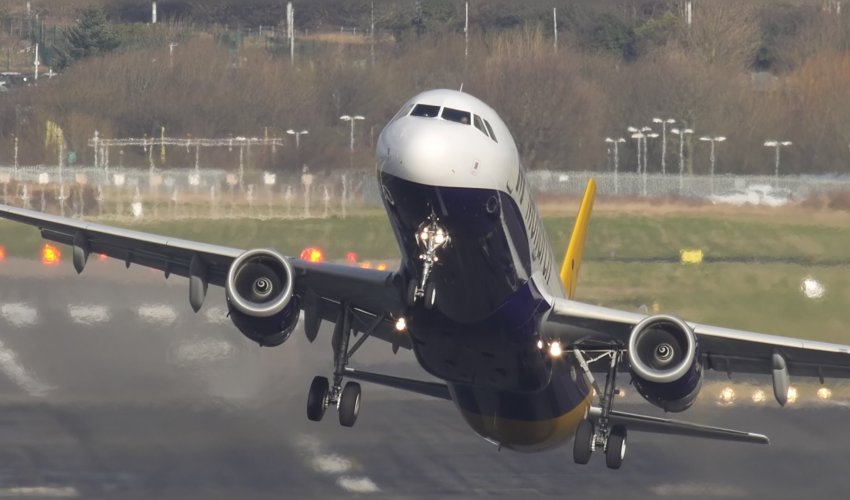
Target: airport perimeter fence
[(143, 193)]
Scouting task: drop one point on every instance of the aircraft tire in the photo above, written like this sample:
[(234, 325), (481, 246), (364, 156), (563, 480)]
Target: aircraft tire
[(430, 295), (616, 450), (582, 442), (349, 404), (317, 398), (410, 297)]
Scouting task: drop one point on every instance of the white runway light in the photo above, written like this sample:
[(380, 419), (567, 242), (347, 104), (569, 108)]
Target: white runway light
[(759, 396), (812, 288), (727, 396), (824, 394)]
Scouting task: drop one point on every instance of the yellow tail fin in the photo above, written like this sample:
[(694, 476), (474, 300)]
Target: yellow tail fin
[(572, 259)]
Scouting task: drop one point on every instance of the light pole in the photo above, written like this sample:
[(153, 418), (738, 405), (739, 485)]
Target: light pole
[(712, 140), (664, 122), (616, 143), (637, 135), (776, 145), (297, 134), (648, 135), (351, 119), (681, 133)]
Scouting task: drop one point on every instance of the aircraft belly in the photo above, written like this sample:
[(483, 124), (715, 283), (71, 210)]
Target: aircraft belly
[(526, 422)]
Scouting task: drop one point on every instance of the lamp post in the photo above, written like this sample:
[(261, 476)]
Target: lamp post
[(616, 143), (681, 133), (777, 145), (297, 134), (664, 122), (712, 140), (649, 135), (637, 135), (351, 119)]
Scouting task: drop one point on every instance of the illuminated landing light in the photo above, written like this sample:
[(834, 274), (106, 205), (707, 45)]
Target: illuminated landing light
[(50, 255), (351, 258), (824, 394), (312, 254), (2, 253), (401, 324), (727, 396), (792, 395), (759, 396), (555, 349)]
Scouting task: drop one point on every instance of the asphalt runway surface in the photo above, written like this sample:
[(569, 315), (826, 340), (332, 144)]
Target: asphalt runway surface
[(111, 387)]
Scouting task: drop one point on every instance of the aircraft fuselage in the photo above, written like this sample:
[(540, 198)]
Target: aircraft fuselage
[(448, 159)]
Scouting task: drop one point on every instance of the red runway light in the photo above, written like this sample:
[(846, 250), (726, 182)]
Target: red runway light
[(351, 258), (102, 256), (312, 254), (2, 253), (50, 255)]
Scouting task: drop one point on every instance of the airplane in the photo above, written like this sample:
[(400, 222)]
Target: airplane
[(478, 298)]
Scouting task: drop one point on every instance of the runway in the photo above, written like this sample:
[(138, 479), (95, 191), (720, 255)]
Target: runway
[(111, 387)]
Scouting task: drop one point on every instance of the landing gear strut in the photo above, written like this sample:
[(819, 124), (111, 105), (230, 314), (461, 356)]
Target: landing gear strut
[(601, 435), (323, 394), (431, 237)]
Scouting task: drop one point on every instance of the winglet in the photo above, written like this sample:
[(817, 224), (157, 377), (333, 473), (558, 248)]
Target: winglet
[(572, 259)]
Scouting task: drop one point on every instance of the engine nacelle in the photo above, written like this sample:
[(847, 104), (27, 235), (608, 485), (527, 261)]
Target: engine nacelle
[(260, 299), (665, 363)]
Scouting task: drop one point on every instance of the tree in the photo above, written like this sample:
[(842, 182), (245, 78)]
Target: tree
[(91, 35)]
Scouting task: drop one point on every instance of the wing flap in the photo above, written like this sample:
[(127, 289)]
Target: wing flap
[(656, 425)]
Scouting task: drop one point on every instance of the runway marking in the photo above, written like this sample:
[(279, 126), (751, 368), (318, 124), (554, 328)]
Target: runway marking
[(698, 490), (357, 484), (161, 314), (19, 314), (203, 350), (334, 464), (216, 315), (14, 370), (39, 492), (331, 464), (88, 314)]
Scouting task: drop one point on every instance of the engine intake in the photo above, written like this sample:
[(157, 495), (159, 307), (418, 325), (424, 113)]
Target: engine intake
[(259, 290), (664, 359)]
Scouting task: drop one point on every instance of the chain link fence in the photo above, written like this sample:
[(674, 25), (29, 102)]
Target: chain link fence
[(144, 193)]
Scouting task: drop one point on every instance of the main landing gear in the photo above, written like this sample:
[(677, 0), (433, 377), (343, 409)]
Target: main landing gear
[(601, 435), (345, 398), (431, 237)]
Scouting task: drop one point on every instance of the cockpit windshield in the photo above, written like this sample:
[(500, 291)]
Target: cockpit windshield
[(425, 110), (456, 115)]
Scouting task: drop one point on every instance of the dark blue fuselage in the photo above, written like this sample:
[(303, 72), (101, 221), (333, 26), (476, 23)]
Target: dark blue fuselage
[(482, 336)]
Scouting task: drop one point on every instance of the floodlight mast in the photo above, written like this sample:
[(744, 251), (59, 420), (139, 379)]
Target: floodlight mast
[(297, 134), (681, 133), (616, 143), (352, 120), (777, 145), (664, 122), (712, 140)]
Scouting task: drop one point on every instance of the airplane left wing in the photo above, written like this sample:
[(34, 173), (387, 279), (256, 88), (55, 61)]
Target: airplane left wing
[(722, 349), (372, 293)]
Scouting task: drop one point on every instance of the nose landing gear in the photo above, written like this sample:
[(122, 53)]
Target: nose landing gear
[(431, 237)]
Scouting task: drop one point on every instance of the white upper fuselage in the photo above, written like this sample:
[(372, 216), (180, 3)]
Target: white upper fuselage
[(439, 149)]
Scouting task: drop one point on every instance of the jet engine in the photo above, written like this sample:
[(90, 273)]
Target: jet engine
[(260, 299), (665, 364)]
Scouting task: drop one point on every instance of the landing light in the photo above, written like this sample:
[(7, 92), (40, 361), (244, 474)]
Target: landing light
[(424, 234), (50, 255), (555, 349), (824, 393), (401, 324)]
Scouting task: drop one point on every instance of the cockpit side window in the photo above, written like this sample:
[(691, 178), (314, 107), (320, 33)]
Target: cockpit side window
[(479, 124), (402, 112), (425, 110), (456, 115), (490, 129)]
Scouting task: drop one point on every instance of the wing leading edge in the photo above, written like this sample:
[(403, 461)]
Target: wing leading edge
[(373, 293)]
